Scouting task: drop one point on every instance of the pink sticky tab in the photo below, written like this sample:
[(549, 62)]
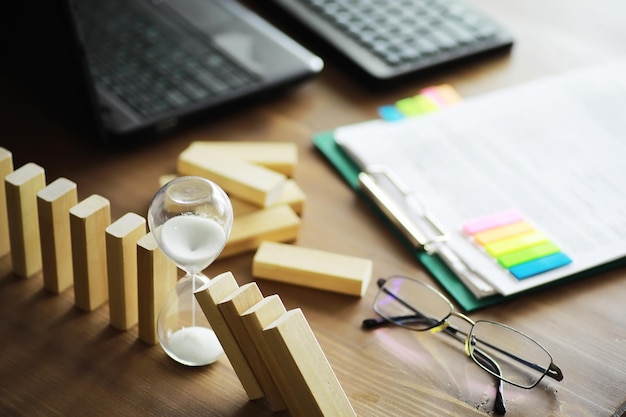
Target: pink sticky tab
[(489, 222)]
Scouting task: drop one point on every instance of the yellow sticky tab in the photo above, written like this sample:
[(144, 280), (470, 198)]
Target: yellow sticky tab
[(512, 244)]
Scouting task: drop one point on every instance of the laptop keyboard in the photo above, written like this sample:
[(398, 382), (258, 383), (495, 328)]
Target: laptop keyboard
[(151, 65), (388, 38)]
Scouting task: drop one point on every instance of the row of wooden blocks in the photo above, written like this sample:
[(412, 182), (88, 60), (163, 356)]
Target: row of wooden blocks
[(45, 228), (74, 244), (273, 351)]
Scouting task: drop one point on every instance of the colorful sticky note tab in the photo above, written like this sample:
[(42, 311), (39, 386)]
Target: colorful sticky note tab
[(390, 113), (489, 222), (537, 266), (528, 254), (516, 244), (408, 107), (444, 94), (502, 232), (428, 100)]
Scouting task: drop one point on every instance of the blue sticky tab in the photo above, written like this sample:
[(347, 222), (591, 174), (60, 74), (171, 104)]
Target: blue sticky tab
[(537, 266), (390, 113)]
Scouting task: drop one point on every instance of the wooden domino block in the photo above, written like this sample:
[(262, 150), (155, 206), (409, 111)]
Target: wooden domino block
[(21, 187), (88, 222), (277, 156), (304, 365), (121, 243), (231, 308), (293, 196), (241, 179), (312, 268), (156, 277), (217, 290), (280, 224), (6, 167), (53, 205), (256, 318)]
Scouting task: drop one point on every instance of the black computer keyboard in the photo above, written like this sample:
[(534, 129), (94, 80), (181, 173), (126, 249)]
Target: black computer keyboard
[(391, 38), (148, 64)]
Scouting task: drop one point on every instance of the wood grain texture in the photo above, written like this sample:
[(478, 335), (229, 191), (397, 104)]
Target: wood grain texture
[(53, 205), (21, 188), (6, 167)]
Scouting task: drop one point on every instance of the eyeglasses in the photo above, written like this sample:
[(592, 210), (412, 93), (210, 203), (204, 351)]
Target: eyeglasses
[(506, 353)]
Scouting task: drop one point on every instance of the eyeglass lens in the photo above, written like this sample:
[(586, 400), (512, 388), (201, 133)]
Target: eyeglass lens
[(522, 361), (411, 304)]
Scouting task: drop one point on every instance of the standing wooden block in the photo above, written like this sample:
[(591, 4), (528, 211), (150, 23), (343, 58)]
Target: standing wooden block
[(156, 277), (208, 297), (6, 167), (88, 222), (22, 186), (241, 179), (53, 204), (231, 308), (305, 366), (121, 243)]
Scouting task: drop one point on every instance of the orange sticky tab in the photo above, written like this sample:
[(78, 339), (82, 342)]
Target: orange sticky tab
[(502, 232)]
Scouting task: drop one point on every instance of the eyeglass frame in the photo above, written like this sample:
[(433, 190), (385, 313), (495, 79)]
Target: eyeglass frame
[(444, 325)]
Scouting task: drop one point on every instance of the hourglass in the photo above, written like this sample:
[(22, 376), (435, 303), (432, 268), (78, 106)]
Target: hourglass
[(190, 218)]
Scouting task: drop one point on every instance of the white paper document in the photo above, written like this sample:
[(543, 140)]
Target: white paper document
[(553, 149)]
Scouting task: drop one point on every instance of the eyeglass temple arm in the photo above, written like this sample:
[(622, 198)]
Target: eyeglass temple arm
[(487, 362)]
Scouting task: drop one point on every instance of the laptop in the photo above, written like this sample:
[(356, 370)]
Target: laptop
[(127, 70)]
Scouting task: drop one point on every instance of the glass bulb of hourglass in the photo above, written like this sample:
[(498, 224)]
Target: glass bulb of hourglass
[(190, 218)]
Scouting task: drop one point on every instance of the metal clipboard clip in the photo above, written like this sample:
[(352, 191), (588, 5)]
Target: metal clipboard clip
[(404, 209)]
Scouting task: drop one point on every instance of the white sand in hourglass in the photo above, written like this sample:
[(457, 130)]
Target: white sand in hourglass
[(195, 345), (192, 240)]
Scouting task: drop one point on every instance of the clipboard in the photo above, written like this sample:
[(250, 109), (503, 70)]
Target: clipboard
[(466, 298)]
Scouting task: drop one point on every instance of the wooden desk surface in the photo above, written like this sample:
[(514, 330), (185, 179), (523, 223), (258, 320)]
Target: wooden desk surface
[(55, 360)]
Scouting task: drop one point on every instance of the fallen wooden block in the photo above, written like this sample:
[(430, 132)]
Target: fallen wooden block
[(312, 268), (278, 156), (280, 224), (88, 222), (238, 178), (21, 188), (6, 167), (121, 244), (256, 318), (231, 308), (208, 297), (156, 277), (305, 366), (53, 205), (292, 195)]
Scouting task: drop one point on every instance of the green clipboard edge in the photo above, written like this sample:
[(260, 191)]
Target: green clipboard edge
[(349, 171)]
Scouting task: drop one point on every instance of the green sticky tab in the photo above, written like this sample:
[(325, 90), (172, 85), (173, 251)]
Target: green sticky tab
[(408, 106), (528, 254), (425, 104)]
